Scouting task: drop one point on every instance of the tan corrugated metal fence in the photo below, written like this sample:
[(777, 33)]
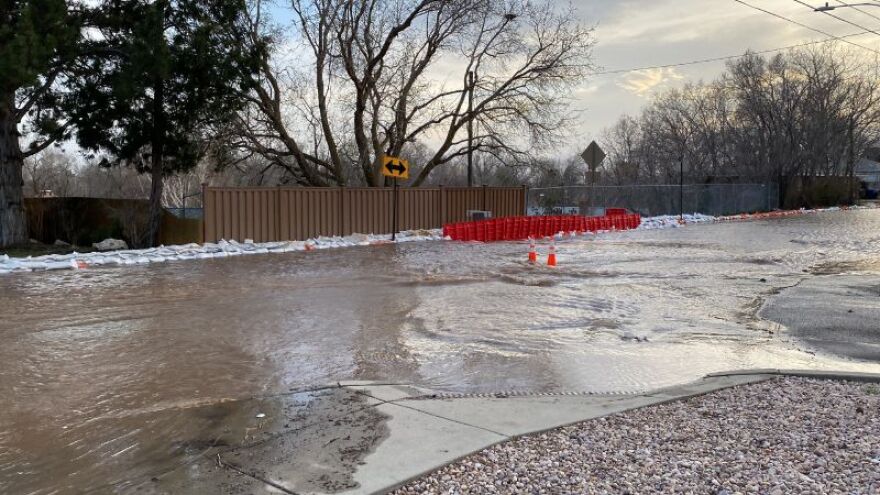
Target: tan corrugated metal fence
[(298, 213)]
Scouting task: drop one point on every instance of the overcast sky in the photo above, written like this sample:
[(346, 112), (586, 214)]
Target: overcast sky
[(638, 33)]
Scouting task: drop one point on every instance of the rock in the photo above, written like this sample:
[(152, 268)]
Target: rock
[(60, 243), (110, 245), (703, 444)]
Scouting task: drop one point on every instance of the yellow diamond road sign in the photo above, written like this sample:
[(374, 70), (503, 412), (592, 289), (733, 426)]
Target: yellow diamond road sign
[(593, 156), (396, 167)]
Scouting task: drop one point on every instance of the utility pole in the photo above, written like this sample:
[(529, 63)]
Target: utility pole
[(470, 81), (851, 165)]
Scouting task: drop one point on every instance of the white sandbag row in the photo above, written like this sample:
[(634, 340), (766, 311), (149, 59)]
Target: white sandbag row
[(185, 252), (673, 221)]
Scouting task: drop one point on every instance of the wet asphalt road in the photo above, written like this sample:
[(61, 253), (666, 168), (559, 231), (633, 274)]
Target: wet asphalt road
[(837, 314), (114, 374)]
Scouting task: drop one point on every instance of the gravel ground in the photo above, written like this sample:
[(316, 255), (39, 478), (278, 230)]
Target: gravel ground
[(790, 435)]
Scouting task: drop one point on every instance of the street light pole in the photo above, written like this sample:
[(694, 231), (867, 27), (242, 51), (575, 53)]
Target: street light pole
[(470, 81), (827, 7)]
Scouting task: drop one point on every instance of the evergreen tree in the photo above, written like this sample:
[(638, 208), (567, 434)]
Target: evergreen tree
[(38, 43), (168, 72)]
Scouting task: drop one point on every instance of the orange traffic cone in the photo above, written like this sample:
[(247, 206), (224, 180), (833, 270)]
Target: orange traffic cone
[(551, 258), (533, 253)]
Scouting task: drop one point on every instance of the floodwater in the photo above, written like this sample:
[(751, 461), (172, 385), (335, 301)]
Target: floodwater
[(100, 366)]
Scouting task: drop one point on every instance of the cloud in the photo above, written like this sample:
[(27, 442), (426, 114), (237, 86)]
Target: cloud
[(645, 82), (664, 21), (586, 90)]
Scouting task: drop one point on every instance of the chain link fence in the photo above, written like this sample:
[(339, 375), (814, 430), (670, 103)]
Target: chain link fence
[(652, 200), (189, 213)]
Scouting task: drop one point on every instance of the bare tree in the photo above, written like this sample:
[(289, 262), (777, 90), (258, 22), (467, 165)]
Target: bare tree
[(810, 112), (184, 189), (49, 173), (97, 181), (373, 77), (623, 142)]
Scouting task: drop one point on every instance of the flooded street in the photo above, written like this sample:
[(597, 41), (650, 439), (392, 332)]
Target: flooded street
[(114, 374)]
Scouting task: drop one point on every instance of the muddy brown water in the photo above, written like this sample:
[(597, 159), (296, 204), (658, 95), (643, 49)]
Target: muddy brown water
[(111, 375)]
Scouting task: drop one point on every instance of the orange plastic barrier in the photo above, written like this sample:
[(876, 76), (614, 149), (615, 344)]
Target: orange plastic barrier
[(520, 228)]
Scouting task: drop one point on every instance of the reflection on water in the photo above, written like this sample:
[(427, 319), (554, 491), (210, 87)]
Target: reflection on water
[(85, 352)]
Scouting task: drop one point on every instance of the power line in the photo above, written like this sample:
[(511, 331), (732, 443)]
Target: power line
[(779, 16), (830, 38), (837, 17), (725, 57), (857, 9)]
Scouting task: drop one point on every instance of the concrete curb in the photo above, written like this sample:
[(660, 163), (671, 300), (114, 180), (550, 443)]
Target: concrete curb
[(485, 420), (426, 430), (819, 375), (427, 434)]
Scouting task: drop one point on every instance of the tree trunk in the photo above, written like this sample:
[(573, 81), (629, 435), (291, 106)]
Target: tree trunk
[(157, 162), (13, 223), (156, 189)]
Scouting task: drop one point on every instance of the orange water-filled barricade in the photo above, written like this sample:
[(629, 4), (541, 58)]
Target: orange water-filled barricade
[(520, 228)]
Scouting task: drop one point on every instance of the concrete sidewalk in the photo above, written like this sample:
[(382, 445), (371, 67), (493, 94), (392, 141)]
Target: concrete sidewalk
[(425, 430)]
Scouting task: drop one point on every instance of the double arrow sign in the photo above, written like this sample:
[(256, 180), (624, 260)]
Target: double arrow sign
[(395, 167)]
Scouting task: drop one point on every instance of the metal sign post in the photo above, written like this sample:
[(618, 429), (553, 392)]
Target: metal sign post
[(394, 214), (396, 168), (593, 156)]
